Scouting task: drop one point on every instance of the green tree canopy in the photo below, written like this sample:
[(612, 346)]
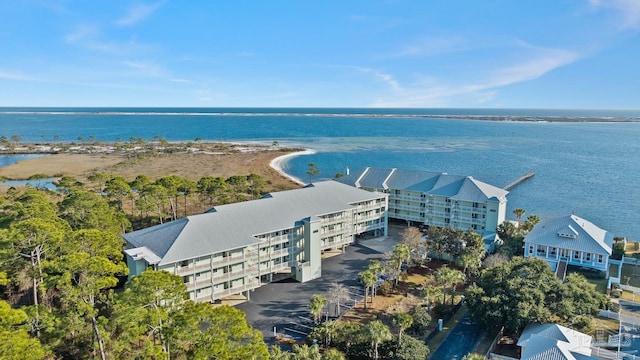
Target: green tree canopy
[(222, 333), (87, 210), (525, 290), (16, 342)]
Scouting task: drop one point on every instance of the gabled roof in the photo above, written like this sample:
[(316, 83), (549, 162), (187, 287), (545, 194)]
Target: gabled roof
[(234, 226), (554, 342), (572, 232), (456, 187)]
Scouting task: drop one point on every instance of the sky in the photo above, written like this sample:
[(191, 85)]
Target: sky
[(568, 54)]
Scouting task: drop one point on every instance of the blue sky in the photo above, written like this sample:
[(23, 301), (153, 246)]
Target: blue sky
[(323, 53)]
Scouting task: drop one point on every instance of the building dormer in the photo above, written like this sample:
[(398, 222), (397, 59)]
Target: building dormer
[(568, 232)]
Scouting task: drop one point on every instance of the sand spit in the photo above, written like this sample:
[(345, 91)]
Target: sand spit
[(278, 164)]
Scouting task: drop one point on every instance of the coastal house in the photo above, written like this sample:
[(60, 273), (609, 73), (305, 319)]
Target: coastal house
[(570, 240), (235, 248), (552, 341), (438, 199)]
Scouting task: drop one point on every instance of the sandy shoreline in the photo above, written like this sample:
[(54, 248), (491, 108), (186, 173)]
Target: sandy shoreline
[(278, 163)]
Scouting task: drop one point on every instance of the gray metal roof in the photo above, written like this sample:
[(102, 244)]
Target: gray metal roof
[(233, 226), (456, 187), (572, 232), (554, 342)]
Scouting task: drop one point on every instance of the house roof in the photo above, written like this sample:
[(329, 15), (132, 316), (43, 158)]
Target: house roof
[(456, 187), (572, 232), (554, 342), (234, 226)]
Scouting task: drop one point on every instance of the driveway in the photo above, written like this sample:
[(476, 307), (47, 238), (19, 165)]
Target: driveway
[(462, 339), (280, 303)]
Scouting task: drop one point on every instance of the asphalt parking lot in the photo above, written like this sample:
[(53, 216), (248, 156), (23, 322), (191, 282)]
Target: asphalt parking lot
[(281, 303)]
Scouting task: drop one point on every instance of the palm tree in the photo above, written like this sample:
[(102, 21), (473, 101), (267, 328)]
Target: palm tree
[(368, 278), (333, 354), (306, 352), (400, 254), (376, 332), (518, 213), (430, 292), (276, 353), (402, 321), (325, 332), (445, 276), (316, 304), (378, 269), (457, 277)]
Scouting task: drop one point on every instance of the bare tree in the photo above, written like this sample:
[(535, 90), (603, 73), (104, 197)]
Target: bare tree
[(338, 293)]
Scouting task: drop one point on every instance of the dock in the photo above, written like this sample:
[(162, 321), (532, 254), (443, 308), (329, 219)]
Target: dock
[(519, 180)]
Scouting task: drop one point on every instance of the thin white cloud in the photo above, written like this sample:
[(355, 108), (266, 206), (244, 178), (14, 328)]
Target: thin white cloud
[(183, 81), (138, 12), (532, 68), (145, 68), (387, 79), (17, 76), (444, 92), (628, 11), (80, 33), (435, 45)]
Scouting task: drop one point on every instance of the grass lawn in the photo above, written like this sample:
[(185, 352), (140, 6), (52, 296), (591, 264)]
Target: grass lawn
[(382, 305), (603, 327), (630, 275), (599, 281)]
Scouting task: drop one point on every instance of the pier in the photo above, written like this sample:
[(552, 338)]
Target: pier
[(519, 180)]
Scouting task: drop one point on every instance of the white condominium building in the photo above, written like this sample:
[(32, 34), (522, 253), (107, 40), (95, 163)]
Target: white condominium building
[(232, 249), (439, 199)]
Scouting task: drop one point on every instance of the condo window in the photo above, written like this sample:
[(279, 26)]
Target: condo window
[(588, 256), (576, 254), (600, 258)]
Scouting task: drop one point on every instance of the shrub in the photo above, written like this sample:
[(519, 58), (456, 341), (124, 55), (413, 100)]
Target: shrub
[(386, 287), (421, 320), (441, 311)]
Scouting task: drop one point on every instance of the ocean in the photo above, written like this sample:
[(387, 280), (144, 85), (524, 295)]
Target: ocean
[(586, 162)]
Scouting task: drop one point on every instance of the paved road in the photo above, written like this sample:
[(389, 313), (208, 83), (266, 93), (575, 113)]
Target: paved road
[(462, 339), (277, 304)]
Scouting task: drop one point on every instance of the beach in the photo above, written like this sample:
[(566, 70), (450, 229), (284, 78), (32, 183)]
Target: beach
[(278, 164)]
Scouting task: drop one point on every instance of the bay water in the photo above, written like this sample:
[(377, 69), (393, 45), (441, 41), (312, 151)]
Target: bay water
[(585, 161)]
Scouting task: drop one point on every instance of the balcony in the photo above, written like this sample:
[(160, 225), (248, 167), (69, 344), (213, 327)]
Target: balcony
[(409, 207), (253, 284), (416, 198), (332, 244), (333, 232)]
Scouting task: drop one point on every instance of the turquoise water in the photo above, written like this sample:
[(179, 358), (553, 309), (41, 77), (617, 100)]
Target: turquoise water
[(588, 168)]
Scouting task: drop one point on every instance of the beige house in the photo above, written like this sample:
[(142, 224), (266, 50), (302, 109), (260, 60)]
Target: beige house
[(233, 249)]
